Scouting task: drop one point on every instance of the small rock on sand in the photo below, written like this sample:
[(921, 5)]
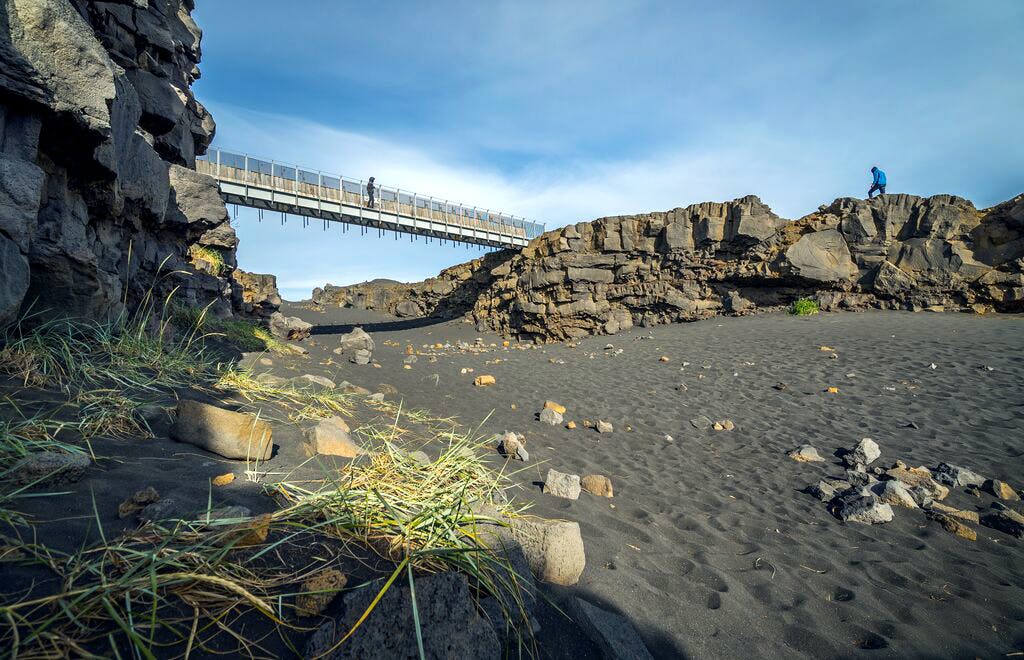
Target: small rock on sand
[(1000, 489), (549, 416), (484, 380), (513, 445), (361, 356), (806, 454), (313, 381), (1004, 519), (48, 468), (918, 478), (228, 433), (554, 548), (957, 476), (318, 592), (895, 493), (561, 484), (604, 427), (557, 407), (613, 634), (137, 502), (597, 484), (702, 423), (330, 437), (863, 453), (953, 526), (853, 506)]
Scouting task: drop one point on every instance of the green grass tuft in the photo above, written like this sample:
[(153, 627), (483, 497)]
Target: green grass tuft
[(804, 307), (208, 258)]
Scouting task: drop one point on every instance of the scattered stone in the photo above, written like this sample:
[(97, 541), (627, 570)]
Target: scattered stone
[(554, 548), (411, 359), (895, 493), (571, 425), (864, 453), (969, 516), (484, 380), (918, 478), (330, 437), (47, 468), (270, 380), (953, 526), (314, 381), (449, 622), (224, 479), (663, 358), (806, 454), (702, 423), (860, 477), (361, 356), (725, 425), (669, 438), (958, 477), (357, 340), (376, 397), (137, 502), (549, 416), (604, 427), (513, 445), (832, 390), (249, 532), (561, 484), (557, 407), (289, 327), (1004, 519), (1000, 489), (227, 433), (319, 591), (613, 634), (779, 386), (853, 506), (827, 489), (597, 484)]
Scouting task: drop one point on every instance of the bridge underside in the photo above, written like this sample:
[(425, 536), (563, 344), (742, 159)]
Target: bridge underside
[(354, 214)]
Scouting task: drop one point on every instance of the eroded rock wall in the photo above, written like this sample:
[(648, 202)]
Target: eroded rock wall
[(99, 131), (894, 252)]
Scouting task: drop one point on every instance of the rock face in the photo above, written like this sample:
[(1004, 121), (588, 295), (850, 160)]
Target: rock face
[(257, 294), (892, 252), (99, 131)]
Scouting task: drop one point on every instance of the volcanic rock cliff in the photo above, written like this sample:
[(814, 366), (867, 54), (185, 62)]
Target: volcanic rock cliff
[(99, 131), (892, 252)]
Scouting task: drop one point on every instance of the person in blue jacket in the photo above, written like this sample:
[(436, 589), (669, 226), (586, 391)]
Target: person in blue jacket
[(878, 182)]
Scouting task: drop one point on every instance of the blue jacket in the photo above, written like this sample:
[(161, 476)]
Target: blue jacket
[(879, 178)]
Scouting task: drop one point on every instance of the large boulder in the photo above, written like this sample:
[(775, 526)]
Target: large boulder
[(227, 433), (450, 624), (289, 327), (554, 548), (822, 256)]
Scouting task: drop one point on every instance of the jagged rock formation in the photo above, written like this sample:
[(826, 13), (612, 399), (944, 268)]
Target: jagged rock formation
[(258, 294), (98, 137), (892, 252)]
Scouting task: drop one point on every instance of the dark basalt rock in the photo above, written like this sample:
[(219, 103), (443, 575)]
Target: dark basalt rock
[(602, 277), (99, 131)]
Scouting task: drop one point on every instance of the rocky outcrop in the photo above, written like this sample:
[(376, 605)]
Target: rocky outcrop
[(258, 294), (892, 252), (99, 131)]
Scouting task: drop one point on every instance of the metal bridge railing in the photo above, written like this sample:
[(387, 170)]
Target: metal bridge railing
[(241, 168)]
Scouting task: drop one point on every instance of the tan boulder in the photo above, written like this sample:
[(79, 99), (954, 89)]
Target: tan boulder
[(224, 432), (484, 380), (330, 437), (557, 407), (318, 592), (597, 484)]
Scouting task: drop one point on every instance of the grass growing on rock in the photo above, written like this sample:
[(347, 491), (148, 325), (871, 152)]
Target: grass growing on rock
[(804, 307)]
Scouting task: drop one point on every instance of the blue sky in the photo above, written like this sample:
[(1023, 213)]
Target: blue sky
[(569, 111)]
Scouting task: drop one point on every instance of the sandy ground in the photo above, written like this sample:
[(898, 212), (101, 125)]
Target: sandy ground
[(709, 546)]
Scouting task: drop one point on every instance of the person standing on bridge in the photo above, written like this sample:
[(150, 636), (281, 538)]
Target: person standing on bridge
[(371, 191), (878, 182)]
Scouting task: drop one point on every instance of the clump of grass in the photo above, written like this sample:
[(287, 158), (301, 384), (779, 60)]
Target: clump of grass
[(244, 334), (804, 307), (424, 517), (208, 258), (300, 402), (112, 414)]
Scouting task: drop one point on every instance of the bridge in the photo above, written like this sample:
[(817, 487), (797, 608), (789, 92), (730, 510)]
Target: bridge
[(269, 185)]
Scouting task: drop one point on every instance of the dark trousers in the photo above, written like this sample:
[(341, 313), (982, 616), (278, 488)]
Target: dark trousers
[(874, 187), (370, 195)]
